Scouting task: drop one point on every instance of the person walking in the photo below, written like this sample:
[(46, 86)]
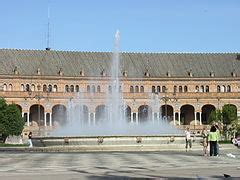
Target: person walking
[(218, 137), (212, 139), (205, 141), (30, 139), (188, 139)]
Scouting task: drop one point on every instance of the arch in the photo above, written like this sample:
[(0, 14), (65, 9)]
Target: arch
[(37, 114), (142, 89), (93, 89), (77, 88), (22, 87), (218, 88), (131, 89), (180, 89), (164, 89), (55, 88), (187, 114), (28, 87), (197, 89), (98, 89), (72, 88), (4, 87), (228, 88), (223, 88), (158, 89), (127, 113), (66, 88), (59, 115), (88, 88), (174, 89), (207, 89), (19, 107), (44, 88), (80, 114), (50, 89), (185, 89), (101, 113), (33, 87), (167, 109), (136, 89), (201, 88), (153, 89), (206, 111), (144, 113), (10, 87)]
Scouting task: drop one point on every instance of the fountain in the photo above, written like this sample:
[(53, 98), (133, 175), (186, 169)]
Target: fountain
[(113, 128)]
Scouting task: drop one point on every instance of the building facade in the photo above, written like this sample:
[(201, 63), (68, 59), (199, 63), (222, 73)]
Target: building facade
[(188, 86)]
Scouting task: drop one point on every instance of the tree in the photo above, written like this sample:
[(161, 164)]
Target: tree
[(215, 116), (229, 113), (11, 122)]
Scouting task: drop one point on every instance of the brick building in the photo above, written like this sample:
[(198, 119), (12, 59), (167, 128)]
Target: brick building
[(187, 85)]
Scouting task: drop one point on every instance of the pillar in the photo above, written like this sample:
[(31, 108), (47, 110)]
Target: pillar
[(22, 114), (200, 117), (94, 118), (179, 118), (174, 120), (131, 117), (89, 118), (195, 118), (28, 114), (45, 119), (158, 116), (153, 116), (136, 117), (50, 119)]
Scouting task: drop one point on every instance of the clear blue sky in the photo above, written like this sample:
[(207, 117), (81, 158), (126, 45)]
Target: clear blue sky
[(145, 25)]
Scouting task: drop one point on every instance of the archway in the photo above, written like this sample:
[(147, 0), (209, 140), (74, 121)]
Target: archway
[(144, 113), (101, 114), (127, 113), (167, 112), (59, 115), (187, 114), (206, 111), (81, 114), (36, 115)]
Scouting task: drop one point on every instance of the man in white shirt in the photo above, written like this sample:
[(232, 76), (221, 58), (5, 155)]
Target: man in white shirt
[(188, 139)]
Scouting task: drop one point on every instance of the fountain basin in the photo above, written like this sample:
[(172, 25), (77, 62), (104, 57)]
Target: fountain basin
[(113, 143)]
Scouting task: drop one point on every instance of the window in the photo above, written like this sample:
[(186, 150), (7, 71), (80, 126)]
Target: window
[(22, 87), (72, 88), (33, 87), (93, 89), (153, 89), (131, 89), (98, 89), (28, 87), (55, 89), (228, 88), (44, 88), (10, 87), (180, 89), (136, 89), (197, 89), (202, 88), (164, 89), (207, 89), (50, 88), (218, 89), (158, 89), (88, 88), (185, 89), (142, 89), (67, 88), (223, 89), (77, 88), (5, 87), (174, 89)]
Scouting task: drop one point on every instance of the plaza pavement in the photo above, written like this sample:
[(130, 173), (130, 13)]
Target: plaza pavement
[(119, 165)]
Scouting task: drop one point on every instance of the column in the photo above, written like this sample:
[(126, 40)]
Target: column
[(50, 119), (45, 119), (94, 118), (200, 117), (22, 114), (136, 117), (158, 116), (131, 117), (195, 118), (179, 118), (28, 114), (153, 116), (174, 121), (89, 118)]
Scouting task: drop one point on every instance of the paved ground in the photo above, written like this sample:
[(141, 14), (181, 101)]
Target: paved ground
[(118, 165)]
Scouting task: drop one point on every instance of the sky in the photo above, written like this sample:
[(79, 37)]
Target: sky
[(144, 25)]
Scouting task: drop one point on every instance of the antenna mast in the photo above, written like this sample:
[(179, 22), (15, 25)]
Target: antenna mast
[(48, 29)]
